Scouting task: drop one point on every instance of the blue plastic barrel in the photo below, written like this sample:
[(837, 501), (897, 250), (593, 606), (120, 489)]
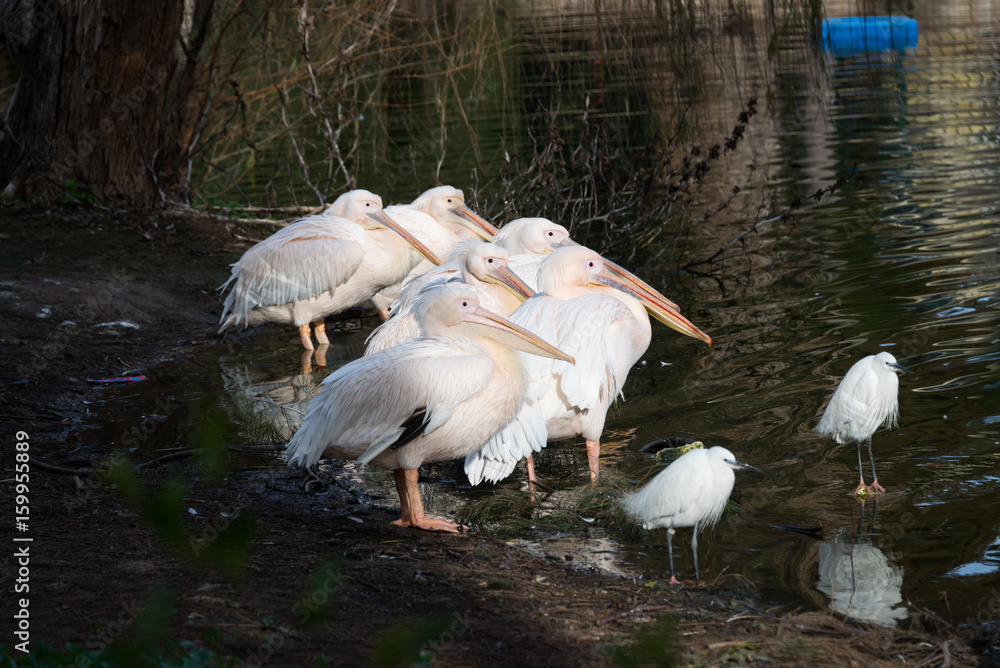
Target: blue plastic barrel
[(852, 35)]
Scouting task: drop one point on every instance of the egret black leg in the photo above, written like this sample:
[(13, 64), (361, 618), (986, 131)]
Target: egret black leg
[(670, 551), (862, 489), (694, 550), (875, 487)]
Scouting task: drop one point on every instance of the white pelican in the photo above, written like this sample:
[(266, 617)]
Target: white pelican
[(530, 236), (593, 314), (529, 240), (320, 265), (525, 241), (480, 265), (427, 400), (439, 218)]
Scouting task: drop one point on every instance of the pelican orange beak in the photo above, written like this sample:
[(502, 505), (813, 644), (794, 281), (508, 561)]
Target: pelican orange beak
[(383, 218), (507, 278), (505, 332), (474, 222), (625, 275), (658, 306)]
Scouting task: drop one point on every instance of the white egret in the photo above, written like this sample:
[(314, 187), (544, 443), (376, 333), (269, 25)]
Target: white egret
[(480, 265), (320, 265), (691, 492), (866, 398), (601, 319), (440, 219), (431, 399)]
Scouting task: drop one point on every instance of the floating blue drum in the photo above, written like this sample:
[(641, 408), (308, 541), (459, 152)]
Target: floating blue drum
[(853, 35)]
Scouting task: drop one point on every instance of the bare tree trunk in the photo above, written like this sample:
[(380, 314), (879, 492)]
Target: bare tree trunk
[(90, 104)]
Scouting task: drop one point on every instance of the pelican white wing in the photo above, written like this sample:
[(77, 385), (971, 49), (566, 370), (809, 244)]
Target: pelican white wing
[(585, 327), (302, 261), (367, 405), (401, 324), (497, 459)]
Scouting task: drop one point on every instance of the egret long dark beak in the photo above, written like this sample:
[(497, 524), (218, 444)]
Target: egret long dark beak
[(657, 305), (383, 218), (509, 334), (507, 278), (736, 464), (900, 367), (475, 222)]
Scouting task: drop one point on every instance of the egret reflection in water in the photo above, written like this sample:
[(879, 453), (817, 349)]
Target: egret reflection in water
[(859, 579)]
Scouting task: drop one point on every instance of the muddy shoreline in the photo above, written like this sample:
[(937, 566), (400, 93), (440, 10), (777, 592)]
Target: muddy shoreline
[(323, 573)]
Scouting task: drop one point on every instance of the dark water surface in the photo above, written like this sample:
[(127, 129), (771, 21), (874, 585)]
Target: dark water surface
[(904, 259)]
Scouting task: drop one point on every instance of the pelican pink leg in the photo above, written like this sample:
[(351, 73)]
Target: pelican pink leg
[(410, 507)]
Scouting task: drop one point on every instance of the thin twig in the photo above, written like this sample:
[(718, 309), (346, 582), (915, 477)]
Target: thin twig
[(52, 468)]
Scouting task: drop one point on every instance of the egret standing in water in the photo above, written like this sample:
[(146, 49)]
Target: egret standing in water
[(692, 491), (867, 398)]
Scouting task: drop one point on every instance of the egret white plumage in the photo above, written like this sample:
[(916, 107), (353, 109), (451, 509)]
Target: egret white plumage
[(867, 398), (589, 311), (480, 265), (440, 219), (691, 492), (320, 265), (431, 399)]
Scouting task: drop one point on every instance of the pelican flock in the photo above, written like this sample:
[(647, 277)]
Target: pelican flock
[(520, 337)]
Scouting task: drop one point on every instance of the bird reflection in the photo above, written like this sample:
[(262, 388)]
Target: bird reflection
[(858, 578), (274, 407)]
